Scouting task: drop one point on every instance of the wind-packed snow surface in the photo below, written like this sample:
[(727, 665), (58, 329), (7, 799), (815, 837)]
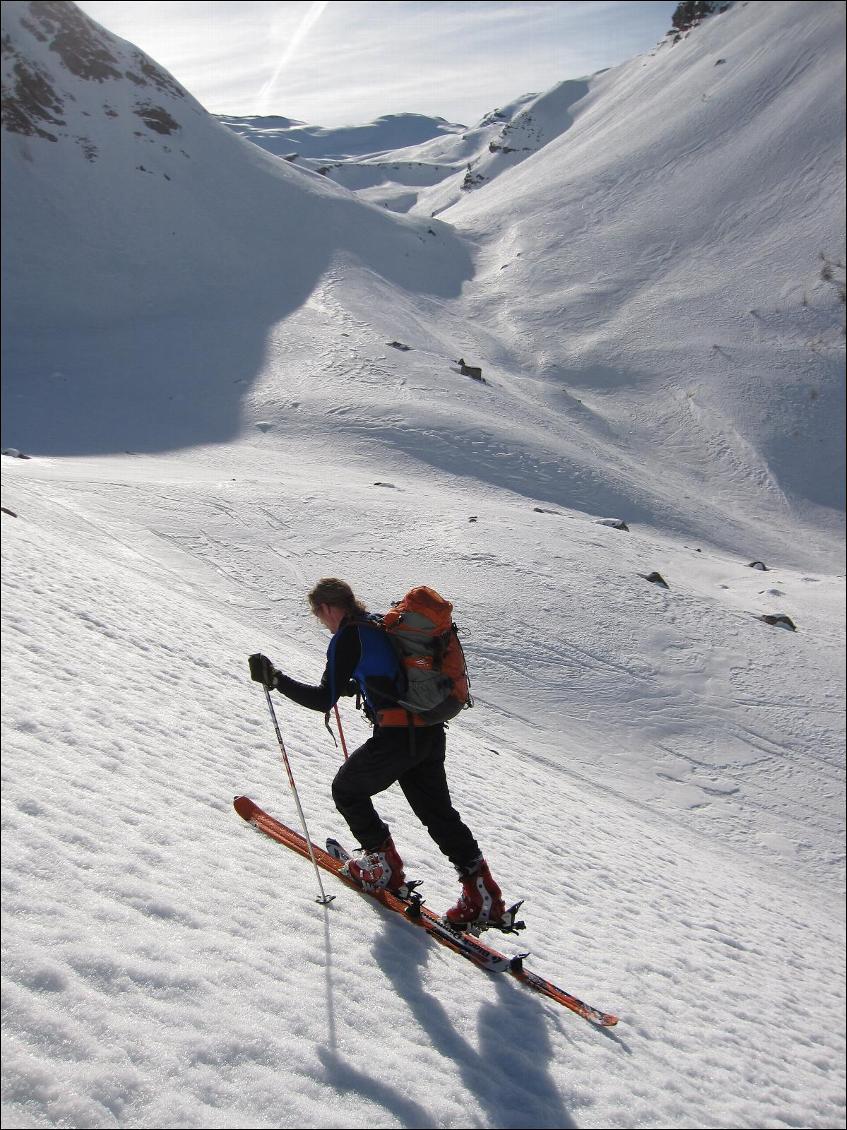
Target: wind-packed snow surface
[(205, 364)]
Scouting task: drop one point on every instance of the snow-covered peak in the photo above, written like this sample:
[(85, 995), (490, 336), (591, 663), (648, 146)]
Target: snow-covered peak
[(285, 137), (393, 162), (63, 74), (124, 198)]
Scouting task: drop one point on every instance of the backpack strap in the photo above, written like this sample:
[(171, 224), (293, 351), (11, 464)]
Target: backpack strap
[(329, 728)]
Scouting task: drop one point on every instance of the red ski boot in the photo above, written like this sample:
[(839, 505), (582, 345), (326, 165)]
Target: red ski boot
[(481, 901), (378, 870)]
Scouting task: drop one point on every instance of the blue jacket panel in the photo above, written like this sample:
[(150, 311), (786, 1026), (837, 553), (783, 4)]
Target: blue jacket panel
[(377, 673)]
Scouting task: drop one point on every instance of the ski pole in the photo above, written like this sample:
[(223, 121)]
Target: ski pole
[(341, 732), (324, 898)]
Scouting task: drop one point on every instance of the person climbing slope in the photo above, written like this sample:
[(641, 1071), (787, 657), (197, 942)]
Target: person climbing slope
[(406, 747)]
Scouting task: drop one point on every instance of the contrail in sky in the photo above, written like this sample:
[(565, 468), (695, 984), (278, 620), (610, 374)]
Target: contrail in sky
[(316, 10)]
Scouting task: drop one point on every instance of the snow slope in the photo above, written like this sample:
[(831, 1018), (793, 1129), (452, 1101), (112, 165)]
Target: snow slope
[(673, 819), (657, 771), (699, 195)]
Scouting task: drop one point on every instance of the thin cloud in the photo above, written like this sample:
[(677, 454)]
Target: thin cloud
[(310, 19)]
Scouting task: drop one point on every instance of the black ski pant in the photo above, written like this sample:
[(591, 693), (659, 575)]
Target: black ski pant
[(416, 762)]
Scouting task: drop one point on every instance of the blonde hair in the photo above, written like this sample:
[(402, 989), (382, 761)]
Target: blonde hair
[(330, 590)]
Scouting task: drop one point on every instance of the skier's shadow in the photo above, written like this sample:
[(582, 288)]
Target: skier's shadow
[(507, 1073)]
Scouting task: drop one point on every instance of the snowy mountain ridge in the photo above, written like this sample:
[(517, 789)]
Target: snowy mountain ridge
[(285, 137)]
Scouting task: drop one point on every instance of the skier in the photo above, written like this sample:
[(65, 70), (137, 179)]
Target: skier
[(361, 660)]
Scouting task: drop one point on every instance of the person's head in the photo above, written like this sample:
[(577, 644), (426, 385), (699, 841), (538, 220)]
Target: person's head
[(331, 600)]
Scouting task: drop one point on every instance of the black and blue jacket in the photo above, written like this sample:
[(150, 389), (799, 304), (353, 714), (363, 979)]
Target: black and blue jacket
[(359, 660)]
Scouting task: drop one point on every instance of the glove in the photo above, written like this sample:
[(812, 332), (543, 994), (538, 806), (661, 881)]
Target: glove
[(263, 671)]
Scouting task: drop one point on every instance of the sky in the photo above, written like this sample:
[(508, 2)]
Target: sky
[(337, 63)]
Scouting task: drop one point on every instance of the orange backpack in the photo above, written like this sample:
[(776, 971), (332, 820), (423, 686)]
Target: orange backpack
[(421, 630)]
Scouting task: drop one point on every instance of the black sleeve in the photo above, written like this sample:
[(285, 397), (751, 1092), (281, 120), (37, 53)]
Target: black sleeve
[(346, 656)]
